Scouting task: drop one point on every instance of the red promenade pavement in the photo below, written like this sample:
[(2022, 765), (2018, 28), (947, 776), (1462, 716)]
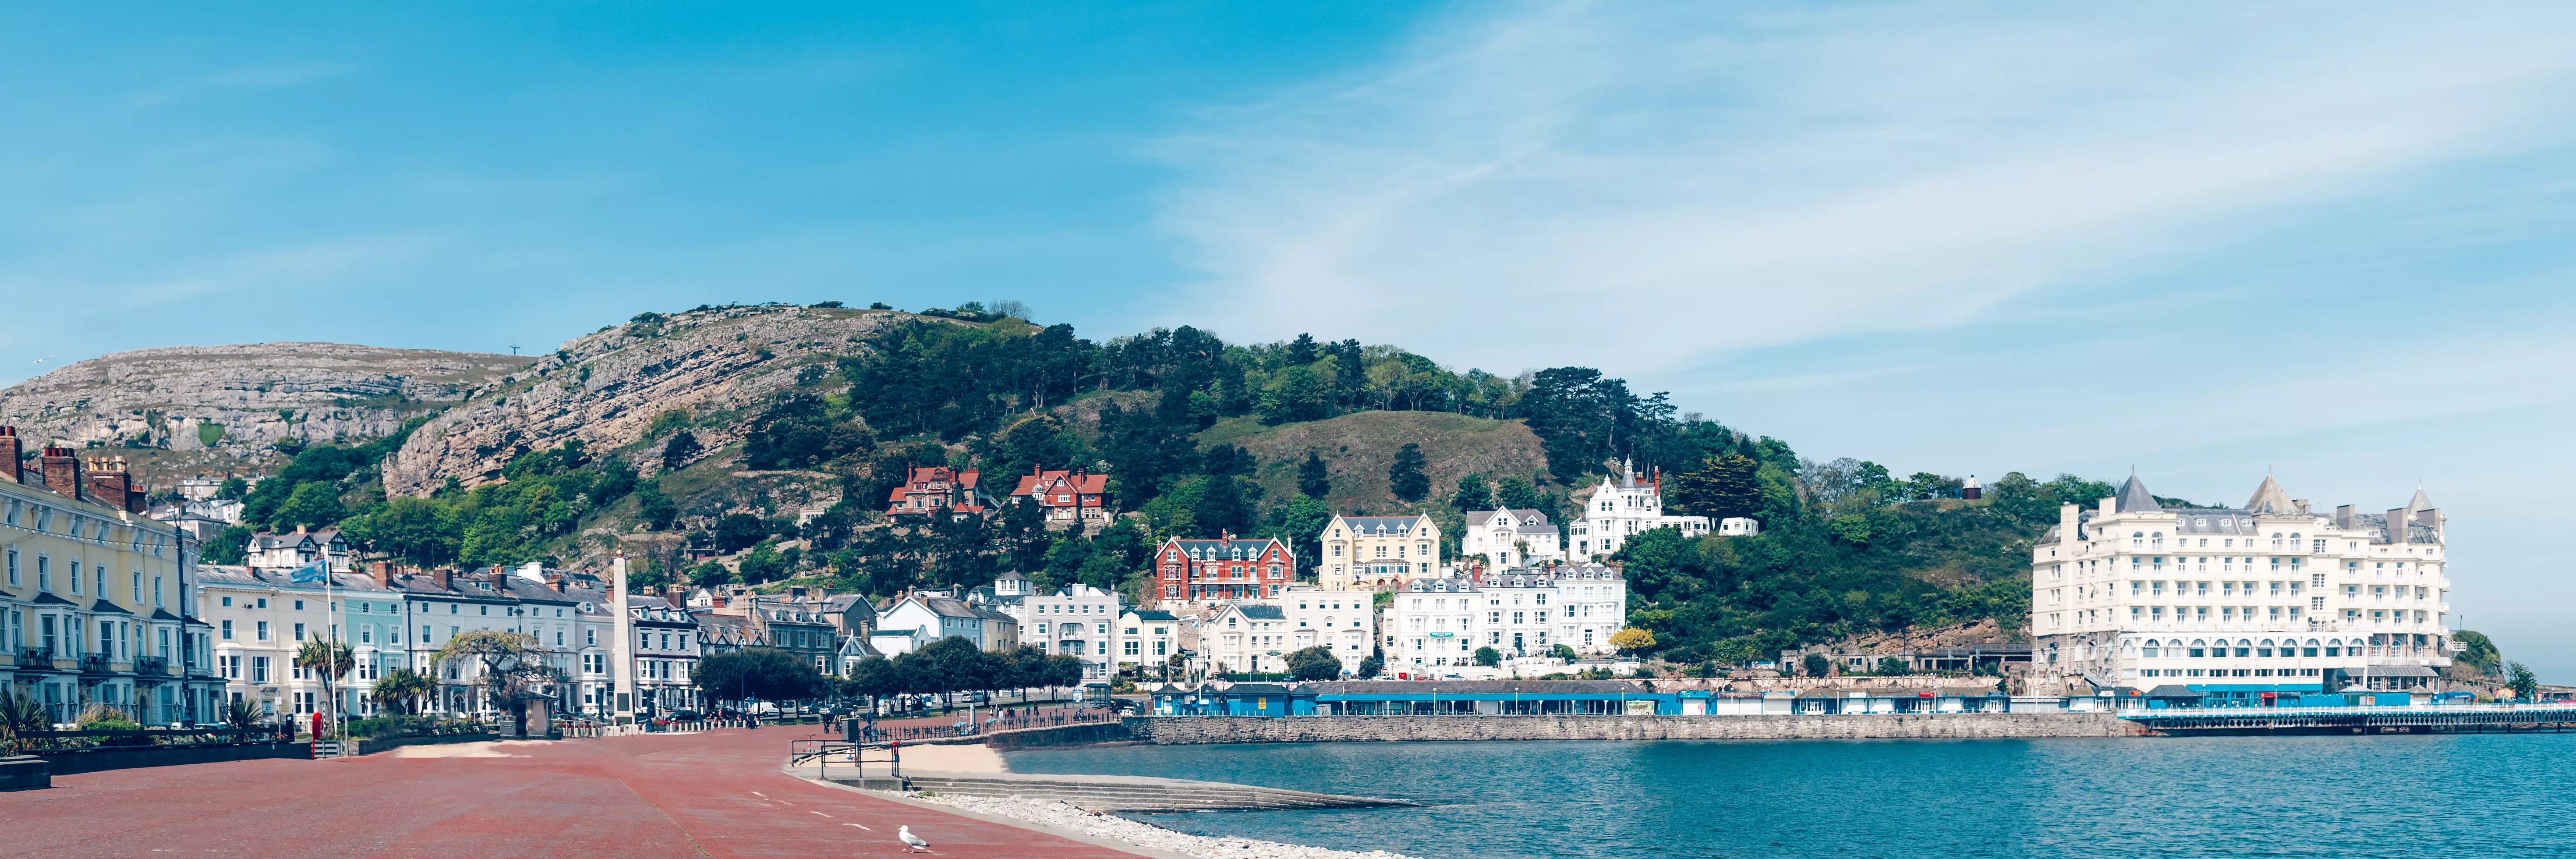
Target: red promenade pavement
[(717, 794)]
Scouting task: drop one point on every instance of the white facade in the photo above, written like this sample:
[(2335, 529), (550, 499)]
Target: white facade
[(1738, 526), (1147, 639), (1510, 539), (1517, 613), (1258, 636), (2135, 595), (1080, 621), (1623, 508)]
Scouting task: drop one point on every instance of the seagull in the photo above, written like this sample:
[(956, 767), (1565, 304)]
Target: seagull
[(905, 833)]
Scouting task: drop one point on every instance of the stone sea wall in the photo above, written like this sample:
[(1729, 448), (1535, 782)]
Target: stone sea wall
[(1187, 730)]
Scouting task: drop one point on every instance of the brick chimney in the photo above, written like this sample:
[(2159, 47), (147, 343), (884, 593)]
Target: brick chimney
[(62, 471), (10, 449), (382, 572), (110, 484), (446, 578)]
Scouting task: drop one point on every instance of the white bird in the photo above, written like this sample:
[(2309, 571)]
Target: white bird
[(905, 833)]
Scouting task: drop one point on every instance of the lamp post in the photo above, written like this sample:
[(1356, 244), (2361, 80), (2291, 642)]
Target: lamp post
[(622, 651)]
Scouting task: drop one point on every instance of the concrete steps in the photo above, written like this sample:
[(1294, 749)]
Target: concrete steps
[(1126, 793)]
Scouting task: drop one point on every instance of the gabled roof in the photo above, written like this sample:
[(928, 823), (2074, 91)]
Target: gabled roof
[(105, 607), (1260, 612), (1062, 481), (1374, 526), (1152, 614), (1522, 519), (2134, 498), (2420, 502)]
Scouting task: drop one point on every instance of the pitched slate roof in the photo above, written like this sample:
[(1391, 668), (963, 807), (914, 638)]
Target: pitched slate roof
[(2269, 498), (2134, 498), (1375, 526)]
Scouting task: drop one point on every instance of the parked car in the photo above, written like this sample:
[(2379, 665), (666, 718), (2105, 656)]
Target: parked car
[(683, 716)]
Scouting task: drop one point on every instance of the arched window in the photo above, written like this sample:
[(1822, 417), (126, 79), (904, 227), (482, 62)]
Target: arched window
[(2310, 650), (2197, 647), (2151, 648), (2263, 649)]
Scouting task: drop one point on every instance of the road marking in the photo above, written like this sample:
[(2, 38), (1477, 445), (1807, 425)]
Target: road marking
[(817, 812), (861, 827)]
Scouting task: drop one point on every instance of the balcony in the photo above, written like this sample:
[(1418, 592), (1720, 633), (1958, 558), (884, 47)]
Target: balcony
[(94, 664), (151, 665), (36, 658)]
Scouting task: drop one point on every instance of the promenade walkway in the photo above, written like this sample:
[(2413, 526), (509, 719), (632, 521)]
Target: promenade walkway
[(714, 794)]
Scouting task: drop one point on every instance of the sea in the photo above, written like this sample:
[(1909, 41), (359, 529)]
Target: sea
[(2463, 795)]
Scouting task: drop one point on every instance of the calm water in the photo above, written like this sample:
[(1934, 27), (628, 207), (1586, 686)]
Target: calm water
[(2463, 795)]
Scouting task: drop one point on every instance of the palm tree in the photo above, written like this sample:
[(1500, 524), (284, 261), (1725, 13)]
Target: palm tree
[(333, 661), (240, 714), (20, 714), (404, 686)]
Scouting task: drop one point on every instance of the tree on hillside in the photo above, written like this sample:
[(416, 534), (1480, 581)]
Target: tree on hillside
[(232, 489), (681, 450), (1488, 657), (228, 546), (1313, 663), (1312, 480), (2477, 650), (1723, 487), (738, 531), (1473, 494), (313, 505), (1582, 419), (1405, 475), (1632, 640), (1816, 665)]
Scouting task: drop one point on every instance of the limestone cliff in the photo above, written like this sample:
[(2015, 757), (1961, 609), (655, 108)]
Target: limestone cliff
[(713, 366), (235, 401)]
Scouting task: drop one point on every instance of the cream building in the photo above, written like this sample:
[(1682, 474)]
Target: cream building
[(1510, 539), (1377, 552), (96, 603), (2271, 598), (1442, 622), (1258, 636), (1623, 508)]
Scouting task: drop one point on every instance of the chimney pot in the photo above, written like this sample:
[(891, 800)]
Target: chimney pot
[(62, 468)]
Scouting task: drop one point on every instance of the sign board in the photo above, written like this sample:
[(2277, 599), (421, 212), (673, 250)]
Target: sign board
[(1641, 708)]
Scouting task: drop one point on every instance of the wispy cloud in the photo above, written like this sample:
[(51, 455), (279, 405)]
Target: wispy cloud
[(1744, 179), (259, 78)]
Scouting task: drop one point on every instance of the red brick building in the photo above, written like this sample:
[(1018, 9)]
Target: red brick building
[(1228, 568), (934, 488), (1067, 496)]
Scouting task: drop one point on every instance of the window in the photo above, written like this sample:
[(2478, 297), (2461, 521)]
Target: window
[(258, 669), (263, 630), (299, 632), (13, 564), (228, 630)]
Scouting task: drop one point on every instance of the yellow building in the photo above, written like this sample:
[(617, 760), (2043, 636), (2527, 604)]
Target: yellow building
[(1378, 552), (98, 603)]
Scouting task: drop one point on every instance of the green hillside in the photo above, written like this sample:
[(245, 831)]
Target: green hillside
[(1357, 448)]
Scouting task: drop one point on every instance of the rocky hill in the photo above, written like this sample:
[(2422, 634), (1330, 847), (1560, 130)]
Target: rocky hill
[(702, 368), (211, 404)]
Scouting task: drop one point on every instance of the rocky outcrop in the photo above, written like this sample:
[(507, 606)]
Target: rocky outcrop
[(243, 398), (605, 389)]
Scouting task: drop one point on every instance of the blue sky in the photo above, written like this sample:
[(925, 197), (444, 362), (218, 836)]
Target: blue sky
[(2202, 241)]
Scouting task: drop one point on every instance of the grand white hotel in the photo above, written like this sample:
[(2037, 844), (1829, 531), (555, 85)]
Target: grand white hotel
[(2271, 596)]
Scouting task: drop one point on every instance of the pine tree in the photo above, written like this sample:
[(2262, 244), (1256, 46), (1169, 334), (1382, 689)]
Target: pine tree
[(1312, 481), (1406, 477), (1473, 494), (682, 448)]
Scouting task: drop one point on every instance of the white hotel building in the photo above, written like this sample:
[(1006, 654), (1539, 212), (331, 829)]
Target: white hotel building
[(1435, 622), (2264, 599)]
